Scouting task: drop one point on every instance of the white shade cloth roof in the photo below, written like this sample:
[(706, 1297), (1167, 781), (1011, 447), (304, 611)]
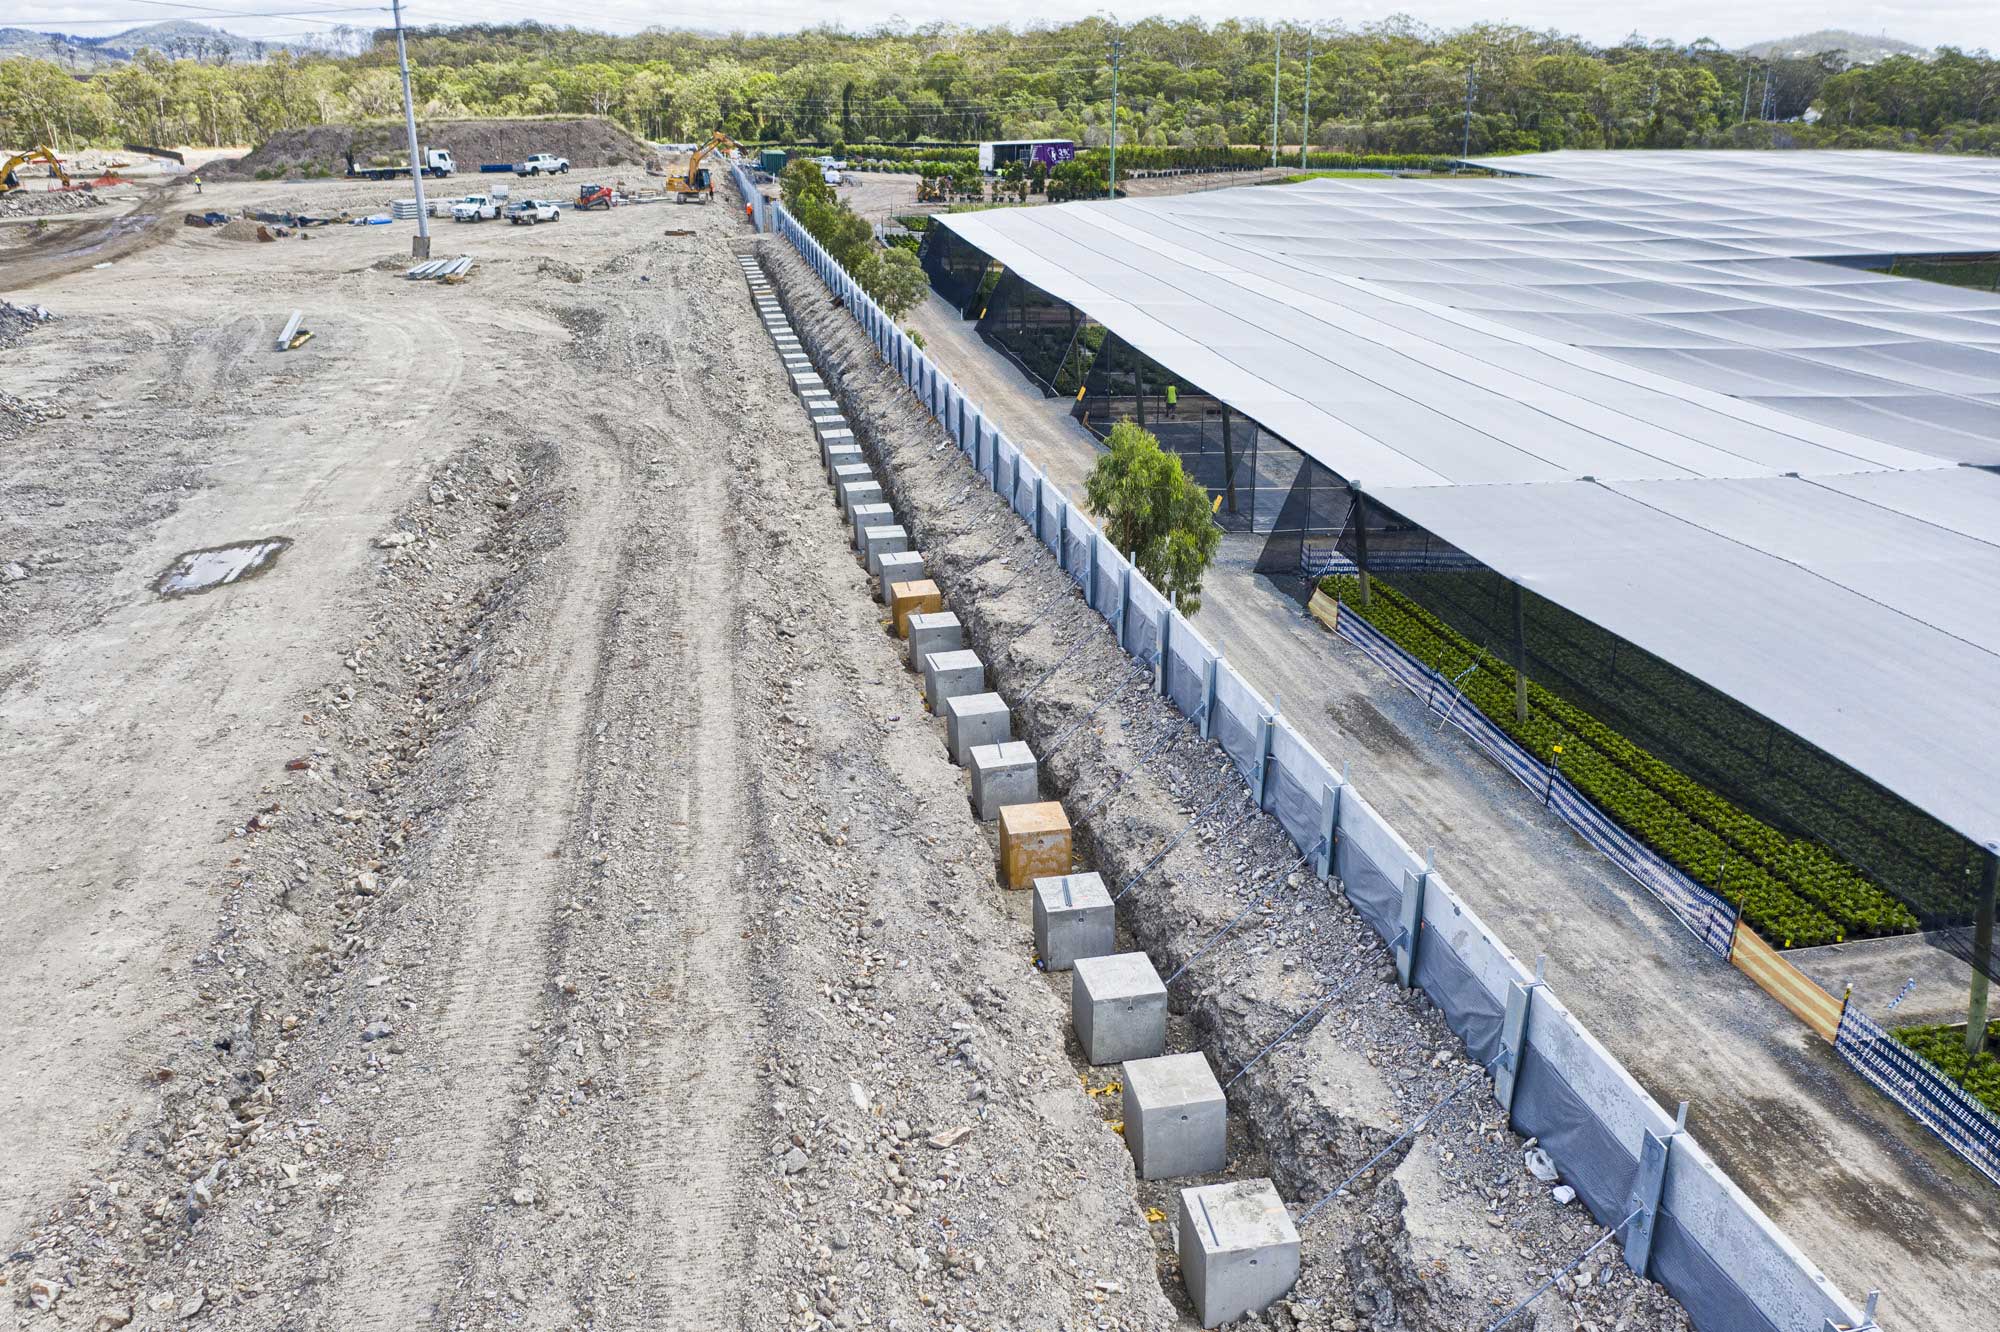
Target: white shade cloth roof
[(1660, 389)]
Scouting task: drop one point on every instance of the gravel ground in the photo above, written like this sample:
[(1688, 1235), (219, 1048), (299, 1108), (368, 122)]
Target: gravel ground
[(1450, 1228), (536, 901)]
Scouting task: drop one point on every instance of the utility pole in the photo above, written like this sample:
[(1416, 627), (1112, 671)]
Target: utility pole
[(1306, 127), (1471, 82), (1277, 65), (1111, 185), (420, 247), (1982, 954)]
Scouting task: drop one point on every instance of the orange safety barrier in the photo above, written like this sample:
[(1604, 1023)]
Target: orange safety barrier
[(1785, 982)]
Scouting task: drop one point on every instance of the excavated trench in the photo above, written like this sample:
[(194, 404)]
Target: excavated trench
[(1448, 1230)]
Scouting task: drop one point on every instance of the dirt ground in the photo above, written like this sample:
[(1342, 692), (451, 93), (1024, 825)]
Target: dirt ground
[(1868, 1194), (536, 899)]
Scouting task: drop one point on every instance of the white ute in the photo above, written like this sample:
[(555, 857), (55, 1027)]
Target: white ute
[(478, 207), (543, 164), (532, 211)]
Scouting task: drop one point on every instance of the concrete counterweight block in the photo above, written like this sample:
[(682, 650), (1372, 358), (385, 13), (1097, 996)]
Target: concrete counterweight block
[(947, 674), (930, 633), (832, 435), (1239, 1250), (858, 491), (805, 379), (917, 597), (883, 540), (1074, 918), (1034, 843), (904, 567), (975, 719), (842, 455), (1118, 1006), (818, 401), (865, 516), (1003, 775), (1176, 1120), (844, 474)]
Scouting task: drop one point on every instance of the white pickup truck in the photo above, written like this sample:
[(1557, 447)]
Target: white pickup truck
[(543, 164), (531, 211), (478, 207)]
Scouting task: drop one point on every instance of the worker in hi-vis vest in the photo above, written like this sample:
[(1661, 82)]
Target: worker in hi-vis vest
[(1173, 399)]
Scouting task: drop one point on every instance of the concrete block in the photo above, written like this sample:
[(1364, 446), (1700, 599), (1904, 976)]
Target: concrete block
[(821, 401), (1034, 844), (933, 632), (841, 455), (1002, 775), (975, 719), (846, 472), (805, 379), (1176, 1119), (947, 672), (1239, 1250), (917, 597), (1074, 918), (839, 434), (865, 516), (882, 540), (1117, 1003), (825, 420), (859, 491), (901, 568)]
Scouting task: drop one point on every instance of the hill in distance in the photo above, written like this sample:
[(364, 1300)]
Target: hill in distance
[(180, 38), (1861, 48)]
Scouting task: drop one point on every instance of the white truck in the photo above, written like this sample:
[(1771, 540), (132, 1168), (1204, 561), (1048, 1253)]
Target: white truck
[(543, 164), (437, 162), (532, 211), (479, 207)]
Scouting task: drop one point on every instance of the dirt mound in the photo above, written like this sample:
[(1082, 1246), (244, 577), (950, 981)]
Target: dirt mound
[(322, 150)]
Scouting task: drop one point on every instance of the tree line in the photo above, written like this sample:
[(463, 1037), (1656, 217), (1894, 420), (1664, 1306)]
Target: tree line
[(1387, 88)]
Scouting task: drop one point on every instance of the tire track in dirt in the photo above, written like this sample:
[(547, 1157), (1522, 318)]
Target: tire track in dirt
[(442, 1162)]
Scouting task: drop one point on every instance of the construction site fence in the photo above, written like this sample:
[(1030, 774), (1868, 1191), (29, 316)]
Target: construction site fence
[(1917, 1085), (1697, 1233)]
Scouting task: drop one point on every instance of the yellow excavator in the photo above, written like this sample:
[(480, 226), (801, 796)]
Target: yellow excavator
[(10, 181), (693, 182)]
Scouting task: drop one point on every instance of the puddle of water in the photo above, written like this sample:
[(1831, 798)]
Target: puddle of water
[(218, 566)]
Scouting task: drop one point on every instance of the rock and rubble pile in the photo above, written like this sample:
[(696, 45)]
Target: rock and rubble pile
[(30, 202)]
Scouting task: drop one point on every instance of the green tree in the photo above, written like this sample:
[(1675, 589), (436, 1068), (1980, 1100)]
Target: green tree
[(1151, 507), (896, 280)]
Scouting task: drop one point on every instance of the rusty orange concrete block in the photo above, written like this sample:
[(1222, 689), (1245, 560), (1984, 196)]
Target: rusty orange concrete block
[(920, 597), (1034, 843)]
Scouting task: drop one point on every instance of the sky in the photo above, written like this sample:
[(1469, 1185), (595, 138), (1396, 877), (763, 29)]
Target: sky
[(1972, 24)]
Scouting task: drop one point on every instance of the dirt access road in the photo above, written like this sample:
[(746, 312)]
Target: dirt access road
[(535, 898), (1867, 1194)]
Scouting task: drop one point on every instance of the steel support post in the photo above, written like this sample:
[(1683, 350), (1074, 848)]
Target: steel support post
[(1264, 757), (1329, 826), (1361, 541), (1208, 678), (1160, 662), (1514, 1038), (1411, 925), (1645, 1196)]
